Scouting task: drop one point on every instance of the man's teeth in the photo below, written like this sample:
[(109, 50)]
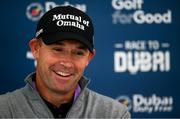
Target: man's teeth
[(62, 73)]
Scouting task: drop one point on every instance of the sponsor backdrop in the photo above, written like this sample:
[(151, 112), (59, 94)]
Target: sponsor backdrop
[(137, 43)]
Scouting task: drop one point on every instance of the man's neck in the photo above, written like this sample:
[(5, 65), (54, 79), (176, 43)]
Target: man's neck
[(55, 98)]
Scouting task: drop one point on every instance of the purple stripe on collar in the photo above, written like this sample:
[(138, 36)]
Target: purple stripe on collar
[(34, 86), (76, 93)]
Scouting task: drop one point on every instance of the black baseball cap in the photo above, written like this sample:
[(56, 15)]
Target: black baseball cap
[(63, 23)]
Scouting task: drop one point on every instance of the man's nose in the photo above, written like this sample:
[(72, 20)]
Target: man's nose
[(66, 60), (66, 64)]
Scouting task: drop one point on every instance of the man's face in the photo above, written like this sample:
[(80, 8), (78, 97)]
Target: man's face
[(61, 65)]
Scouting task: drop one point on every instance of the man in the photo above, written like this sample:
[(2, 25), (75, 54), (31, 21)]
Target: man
[(63, 48)]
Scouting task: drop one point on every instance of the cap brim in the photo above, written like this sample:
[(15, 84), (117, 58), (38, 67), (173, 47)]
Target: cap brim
[(53, 38)]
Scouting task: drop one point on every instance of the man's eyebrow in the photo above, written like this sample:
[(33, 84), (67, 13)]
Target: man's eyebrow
[(59, 43), (79, 46), (83, 47)]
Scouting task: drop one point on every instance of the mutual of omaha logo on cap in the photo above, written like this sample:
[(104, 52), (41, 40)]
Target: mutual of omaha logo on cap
[(66, 22)]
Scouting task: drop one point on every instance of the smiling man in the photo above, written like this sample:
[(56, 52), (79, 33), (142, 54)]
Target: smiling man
[(63, 48)]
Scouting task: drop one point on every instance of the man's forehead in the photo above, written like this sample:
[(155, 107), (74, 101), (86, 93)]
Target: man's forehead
[(71, 42)]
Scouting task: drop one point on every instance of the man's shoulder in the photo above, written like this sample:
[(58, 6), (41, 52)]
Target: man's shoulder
[(12, 98), (4, 98), (103, 99), (108, 105), (7, 96), (6, 101)]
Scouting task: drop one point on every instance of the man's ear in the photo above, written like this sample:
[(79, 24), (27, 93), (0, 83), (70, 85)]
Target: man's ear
[(34, 45), (91, 56)]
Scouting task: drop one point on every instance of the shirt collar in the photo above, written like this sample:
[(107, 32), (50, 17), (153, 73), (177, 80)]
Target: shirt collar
[(76, 93), (82, 85)]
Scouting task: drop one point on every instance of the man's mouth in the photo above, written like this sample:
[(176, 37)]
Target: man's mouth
[(63, 74), (62, 71)]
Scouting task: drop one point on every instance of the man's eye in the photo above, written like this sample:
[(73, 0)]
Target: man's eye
[(58, 49), (79, 53)]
